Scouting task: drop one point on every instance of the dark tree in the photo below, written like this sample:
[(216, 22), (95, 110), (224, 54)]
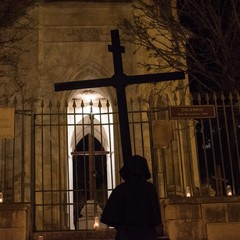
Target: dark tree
[(200, 37), (15, 26)]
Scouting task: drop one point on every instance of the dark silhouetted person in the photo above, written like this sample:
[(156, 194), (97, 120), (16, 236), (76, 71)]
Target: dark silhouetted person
[(133, 206)]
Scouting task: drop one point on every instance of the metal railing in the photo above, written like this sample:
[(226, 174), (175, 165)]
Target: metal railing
[(65, 160)]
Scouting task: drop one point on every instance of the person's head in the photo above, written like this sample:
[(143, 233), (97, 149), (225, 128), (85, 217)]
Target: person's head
[(136, 167)]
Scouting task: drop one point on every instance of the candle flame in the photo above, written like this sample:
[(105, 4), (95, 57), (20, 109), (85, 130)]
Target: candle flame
[(229, 190), (96, 224), (188, 192), (1, 197)]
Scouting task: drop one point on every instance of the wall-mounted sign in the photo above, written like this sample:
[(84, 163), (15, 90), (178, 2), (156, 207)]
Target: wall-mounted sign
[(7, 122), (192, 111), (163, 135)]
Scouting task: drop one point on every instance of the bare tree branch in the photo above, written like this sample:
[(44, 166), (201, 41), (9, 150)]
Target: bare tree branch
[(202, 39), (15, 26)]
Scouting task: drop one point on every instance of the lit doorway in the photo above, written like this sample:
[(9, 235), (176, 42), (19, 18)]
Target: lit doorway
[(89, 175), (87, 117)]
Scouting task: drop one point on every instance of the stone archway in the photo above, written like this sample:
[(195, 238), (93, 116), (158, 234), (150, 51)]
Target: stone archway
[(86, 118), (89, 177)]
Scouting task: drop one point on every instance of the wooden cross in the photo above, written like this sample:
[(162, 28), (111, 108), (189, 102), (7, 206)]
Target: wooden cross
[(120, 80)]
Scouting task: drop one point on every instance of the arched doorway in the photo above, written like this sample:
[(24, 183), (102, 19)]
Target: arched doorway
[(88, 119), (89, 175)]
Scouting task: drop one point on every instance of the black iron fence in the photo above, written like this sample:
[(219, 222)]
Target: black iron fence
[(65, 160)]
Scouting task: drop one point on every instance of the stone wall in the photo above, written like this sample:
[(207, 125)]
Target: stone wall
[(202, 218), (14, 222), (106, 234)]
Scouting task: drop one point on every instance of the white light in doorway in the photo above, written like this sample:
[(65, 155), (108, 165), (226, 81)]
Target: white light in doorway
[(1, 197), (96, 224), (229, 190), (88, 96), (188, 192)]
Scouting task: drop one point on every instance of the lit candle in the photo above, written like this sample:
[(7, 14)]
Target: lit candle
[(96, 223), (188, 192), (228, 190), (1, 197)]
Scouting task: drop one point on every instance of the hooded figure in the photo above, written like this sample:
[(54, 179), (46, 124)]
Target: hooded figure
[(133, 206)]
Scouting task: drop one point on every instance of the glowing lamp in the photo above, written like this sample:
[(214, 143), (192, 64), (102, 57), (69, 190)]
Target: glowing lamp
[(96, 224), (1, 197), (229, 190), (188, 192)]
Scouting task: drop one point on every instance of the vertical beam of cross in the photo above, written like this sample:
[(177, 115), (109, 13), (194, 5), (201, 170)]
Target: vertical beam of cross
[(120, 85), (120, 80), (117, 51)]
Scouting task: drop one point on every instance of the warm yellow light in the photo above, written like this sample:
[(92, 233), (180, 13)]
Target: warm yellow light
[(229, 190), (40, 238), (1, 197), (188, 192), (96, 224), (88, 96)]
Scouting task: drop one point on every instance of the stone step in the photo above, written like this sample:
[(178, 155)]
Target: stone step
[(100, 234), (108, 234)]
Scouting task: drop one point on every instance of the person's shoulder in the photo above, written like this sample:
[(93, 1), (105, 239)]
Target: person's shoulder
[(120, 187), (118, 191)]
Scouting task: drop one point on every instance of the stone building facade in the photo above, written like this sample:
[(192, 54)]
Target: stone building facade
[(69, 42)]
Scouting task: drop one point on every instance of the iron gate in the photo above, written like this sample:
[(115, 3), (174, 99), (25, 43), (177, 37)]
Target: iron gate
[(64, 161), (77, 160)]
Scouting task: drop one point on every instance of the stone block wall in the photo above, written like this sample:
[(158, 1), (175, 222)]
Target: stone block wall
[(106, 234), (14, 222), (210, 218)]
